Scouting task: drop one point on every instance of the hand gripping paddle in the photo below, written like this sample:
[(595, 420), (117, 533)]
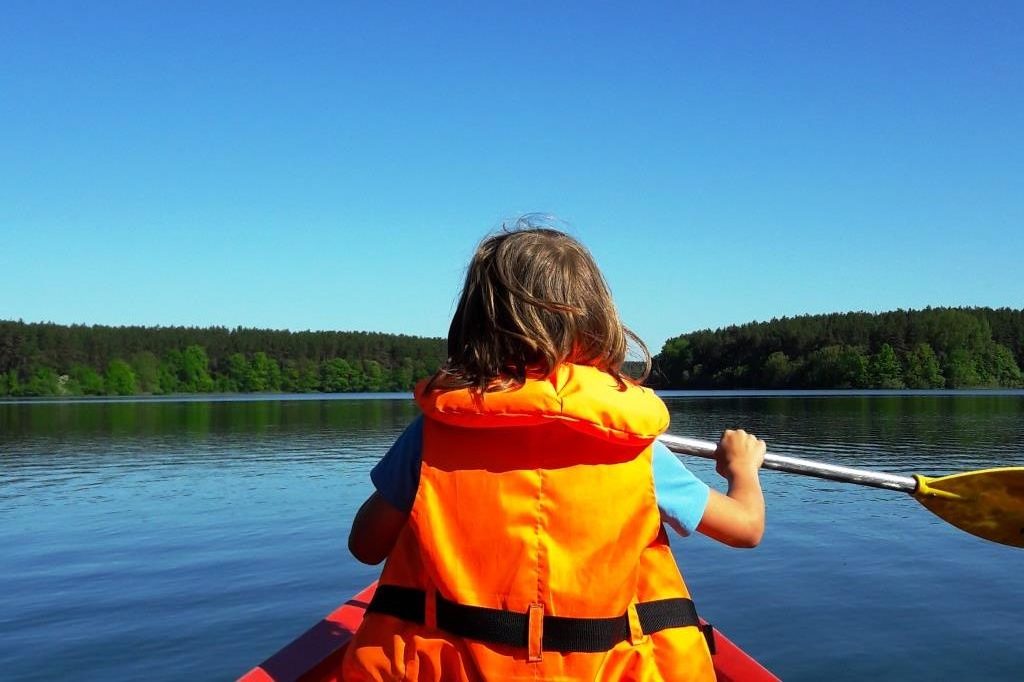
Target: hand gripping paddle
[(988, 503)]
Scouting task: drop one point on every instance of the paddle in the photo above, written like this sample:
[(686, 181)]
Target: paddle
[(988, 503)]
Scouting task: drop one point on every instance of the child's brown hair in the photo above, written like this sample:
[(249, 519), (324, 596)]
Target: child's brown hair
[(533, 298)]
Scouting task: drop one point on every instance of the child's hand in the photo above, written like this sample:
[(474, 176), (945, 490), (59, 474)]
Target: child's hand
[(737, 518), (740, 455)]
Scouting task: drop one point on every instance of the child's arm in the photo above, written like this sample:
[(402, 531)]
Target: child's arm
[(375, 529), (737, 518), (396, 477)]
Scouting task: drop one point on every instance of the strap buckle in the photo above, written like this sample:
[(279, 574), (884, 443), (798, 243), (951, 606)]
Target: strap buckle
[(535, 633)]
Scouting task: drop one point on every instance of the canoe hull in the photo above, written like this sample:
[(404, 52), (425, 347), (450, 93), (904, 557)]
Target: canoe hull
[(316, 655)]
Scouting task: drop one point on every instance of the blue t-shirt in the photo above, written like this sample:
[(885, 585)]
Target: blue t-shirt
[(682, 497)]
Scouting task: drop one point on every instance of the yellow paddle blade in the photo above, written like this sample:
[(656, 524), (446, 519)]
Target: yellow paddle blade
[(987, 503)]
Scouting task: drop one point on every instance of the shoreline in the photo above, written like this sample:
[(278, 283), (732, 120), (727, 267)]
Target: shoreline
[(667, 393)]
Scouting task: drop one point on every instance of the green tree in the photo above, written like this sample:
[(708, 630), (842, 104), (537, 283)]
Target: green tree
[(403, 376), (146, 366), (374, 373), (854, 365), (265, 374), (835, 367), (195, 370), (923, 370), (961, 369), (309, 376), (237, 374), (120, 378), (9, 384), (223, 384), (86, 380), (884, 369), (675, 362), (777, 371), (300, 376), (997, 367), (290, 377), (950, 329), (42, 381), (336, 376), (170, 369)]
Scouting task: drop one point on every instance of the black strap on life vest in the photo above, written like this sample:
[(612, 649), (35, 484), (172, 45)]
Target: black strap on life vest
[(563, 634)]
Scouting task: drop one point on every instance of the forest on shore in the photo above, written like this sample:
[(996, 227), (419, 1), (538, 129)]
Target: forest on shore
[(930, 348), (45, 359)]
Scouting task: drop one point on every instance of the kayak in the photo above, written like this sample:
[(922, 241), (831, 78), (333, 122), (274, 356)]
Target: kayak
[(316, 655)]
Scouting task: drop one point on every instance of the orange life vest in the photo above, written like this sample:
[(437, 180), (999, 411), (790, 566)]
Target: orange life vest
[(534, 548)]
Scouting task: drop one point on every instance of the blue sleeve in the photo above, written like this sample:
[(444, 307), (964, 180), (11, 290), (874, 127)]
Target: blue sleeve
[(682, 497), (397, 475)]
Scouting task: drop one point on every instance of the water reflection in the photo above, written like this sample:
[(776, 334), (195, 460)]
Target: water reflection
[(193, 418)]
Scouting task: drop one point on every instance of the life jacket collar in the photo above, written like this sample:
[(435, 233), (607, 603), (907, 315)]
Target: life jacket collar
[(585, 398)]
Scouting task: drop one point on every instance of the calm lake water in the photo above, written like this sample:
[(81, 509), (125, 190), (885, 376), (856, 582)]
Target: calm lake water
[(191, 539)]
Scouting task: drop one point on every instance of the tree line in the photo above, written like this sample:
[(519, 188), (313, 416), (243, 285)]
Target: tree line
[(930, 348), (45, 359)]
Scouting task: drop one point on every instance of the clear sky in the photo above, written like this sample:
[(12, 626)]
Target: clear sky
[(332, 165)]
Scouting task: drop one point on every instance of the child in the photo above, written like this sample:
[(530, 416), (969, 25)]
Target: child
[(522, 515)]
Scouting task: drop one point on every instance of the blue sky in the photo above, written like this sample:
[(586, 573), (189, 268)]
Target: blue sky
[(332, 165)]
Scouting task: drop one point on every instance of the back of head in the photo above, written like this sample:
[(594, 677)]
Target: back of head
[(533, 298)]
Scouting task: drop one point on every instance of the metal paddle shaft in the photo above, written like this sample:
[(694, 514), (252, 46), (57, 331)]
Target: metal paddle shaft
[(795, 465), (988, 503)]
